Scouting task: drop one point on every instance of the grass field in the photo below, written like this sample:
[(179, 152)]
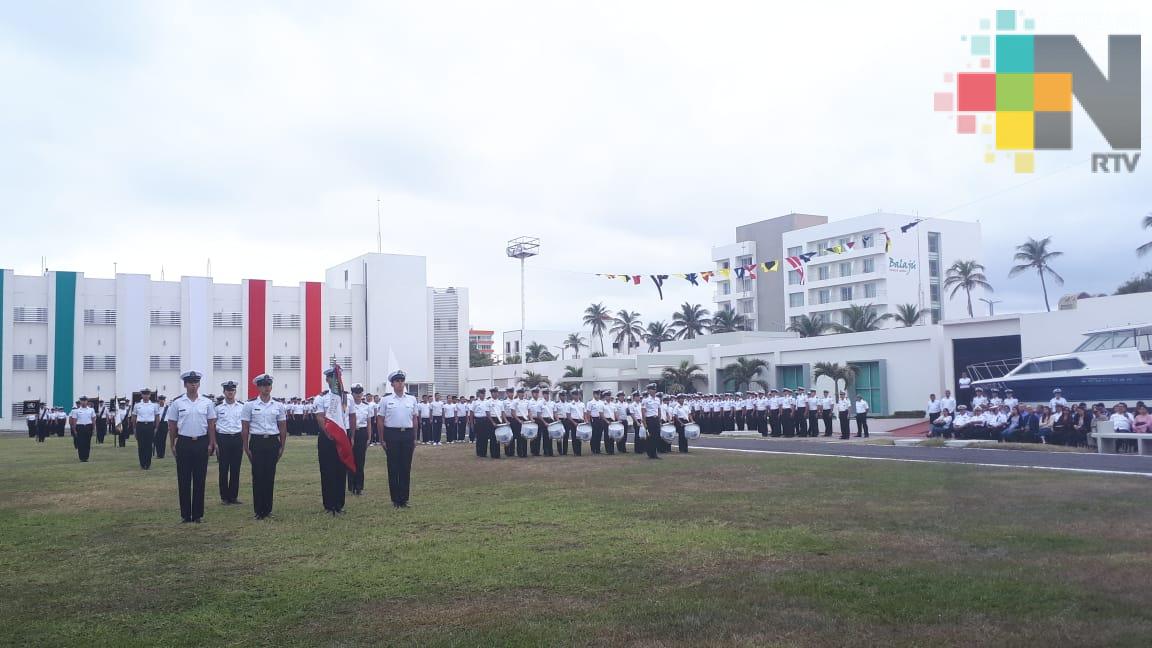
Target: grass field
[(707, 549)]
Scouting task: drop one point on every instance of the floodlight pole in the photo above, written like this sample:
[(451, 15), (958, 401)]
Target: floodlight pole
[(522, 248)]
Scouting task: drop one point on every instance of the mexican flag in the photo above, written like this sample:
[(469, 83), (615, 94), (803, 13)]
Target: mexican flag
[(336, 417)]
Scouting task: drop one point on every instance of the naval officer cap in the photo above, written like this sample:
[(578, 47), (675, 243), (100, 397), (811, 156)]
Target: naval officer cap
[(356, 387), (397, 375), (1057, 391), (231, 384), (262, 380), (651, 387), (145, 390), (191, 376)]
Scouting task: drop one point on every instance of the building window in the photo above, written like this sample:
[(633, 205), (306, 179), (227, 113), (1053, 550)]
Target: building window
[(516, 345), (339, 321), (286, 363), (824, 295), (725, 265), (745, 285), (795, 251), (868, 240), (93, 316), (99, 363), (725, 288), (936, 315), (285, 320), (793, 278), (791, 376), (24, 315), (29, 363), (846, 293), (870, 291), (164, 318), (822, 272), (933, 242), (869, 265), (507, 348), (744, 261), (933, 267), (795, 300), (870, 384), (224, 320), (744, 306), (934, 293), (846, 269)]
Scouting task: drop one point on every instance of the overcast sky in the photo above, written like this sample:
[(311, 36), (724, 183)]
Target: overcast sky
[(629, 136)]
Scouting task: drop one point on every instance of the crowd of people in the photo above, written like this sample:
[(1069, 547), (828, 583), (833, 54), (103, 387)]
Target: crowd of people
[(1002, 417)]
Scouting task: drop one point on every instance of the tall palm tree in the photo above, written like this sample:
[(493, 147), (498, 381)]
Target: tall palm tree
[(597, 317), (837, 372), (536, 352), (574, 341), (966, 275), (656, 335), (809, 326), (532, 379), (1035, 255), (909, 314), (727, 320), (858, 319), (627, 329), (691, 320), (744, 372), (685, 376), (1147, 224)]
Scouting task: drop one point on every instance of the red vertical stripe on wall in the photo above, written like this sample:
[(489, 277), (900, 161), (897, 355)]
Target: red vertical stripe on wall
[(313, 360), (257, 322)]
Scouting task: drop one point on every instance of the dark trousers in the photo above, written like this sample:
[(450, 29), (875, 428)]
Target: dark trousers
[(862, 424), (229, 456), (813, 423), (145, 438), (740, 421), (844, 431), (265, 455), (160, 441), (425, 430), (399, 444), (125, 432), (542, 440), (450, 427), (800, 422), (83, 441), (32, 429), (360, 451), (828, 423), (486, 438), (609, 442), (683, 440), (375, 431), (762, 422), (60, 425), (471, 431), (41, 430), (652, 426), (333, 472), (101, 429), (622, 442), (518, 441), (786, 425), (191, 469), (570, 435), (437, 426), (774, 422)]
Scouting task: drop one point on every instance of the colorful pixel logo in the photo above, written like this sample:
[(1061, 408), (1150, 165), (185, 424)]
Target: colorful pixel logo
[(1023, 91)]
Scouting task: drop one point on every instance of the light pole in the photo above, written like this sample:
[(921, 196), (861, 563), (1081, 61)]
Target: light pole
[(522, 248), (991, 305)]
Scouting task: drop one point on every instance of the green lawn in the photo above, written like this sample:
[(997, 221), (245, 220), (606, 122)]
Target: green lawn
[(698, 550)]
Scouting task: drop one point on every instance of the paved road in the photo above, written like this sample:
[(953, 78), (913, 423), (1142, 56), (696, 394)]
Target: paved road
[(1065, 461)]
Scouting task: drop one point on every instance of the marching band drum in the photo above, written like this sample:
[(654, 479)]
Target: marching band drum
[(503, 434), (556, 431), (529, 430), (616, 430), (668, 432), (691, 431), (584, 432)]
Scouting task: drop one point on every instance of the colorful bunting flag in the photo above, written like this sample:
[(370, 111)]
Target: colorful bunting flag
[(797, 264), (706, 275), (770, 266), (659, 281), (691, 277), (904, 228), (887, 242), (636, 279), (807, 256), (739, 272), (851, 244), (726, 273)]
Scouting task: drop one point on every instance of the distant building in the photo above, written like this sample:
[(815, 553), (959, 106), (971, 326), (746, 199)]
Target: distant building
[(761, 300), (449, 339), (553, 342), (482, 340)]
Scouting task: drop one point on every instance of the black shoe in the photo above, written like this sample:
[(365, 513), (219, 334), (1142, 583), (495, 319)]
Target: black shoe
[(198, 521), (656, 457), (186, 521)]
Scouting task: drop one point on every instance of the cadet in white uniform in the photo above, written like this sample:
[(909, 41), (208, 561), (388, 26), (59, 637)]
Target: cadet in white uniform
[(399, 414), (861, 407), (359, 419), (843, 406), (192, 437), (650, 406), (82, 421), (229, 444), (264, 431), (145, 420)]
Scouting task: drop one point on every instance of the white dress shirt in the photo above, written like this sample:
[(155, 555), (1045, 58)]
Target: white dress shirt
[(192, 416), (263, 417)]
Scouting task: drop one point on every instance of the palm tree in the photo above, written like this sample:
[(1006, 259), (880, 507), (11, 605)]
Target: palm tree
[(1147, 223), (966, 275), (537, 352), (727, 320), (656, 335), (574, 341), (532, 379), (859, 319), (908, 314), (744, 372), (691, 320), (837, 372), (597, 317), (1035, 255), (572, 372), (809, 326), (628, 329), (684, 376)]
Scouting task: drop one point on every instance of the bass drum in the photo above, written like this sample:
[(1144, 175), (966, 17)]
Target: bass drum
[(691, 431), (504, 434), (584, 432), (556, 431), (616, 430), (529, 430), (668, 432)]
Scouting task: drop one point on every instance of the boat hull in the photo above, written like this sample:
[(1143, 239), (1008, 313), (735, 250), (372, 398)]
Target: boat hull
[(1106, 388)]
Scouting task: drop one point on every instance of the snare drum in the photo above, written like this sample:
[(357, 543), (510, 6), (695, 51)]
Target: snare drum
[(691, 431), (556, 431), (616, 430), (529, 430), (584, 432), (668, 432), (503, 434)]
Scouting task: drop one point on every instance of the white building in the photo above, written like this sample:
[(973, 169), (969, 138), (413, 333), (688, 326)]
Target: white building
[(862, 271), (553, 340), (449, 335), (65, 335), (761, 300)]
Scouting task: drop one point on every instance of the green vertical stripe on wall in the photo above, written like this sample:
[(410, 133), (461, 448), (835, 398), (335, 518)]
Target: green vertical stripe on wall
[(64, 352)]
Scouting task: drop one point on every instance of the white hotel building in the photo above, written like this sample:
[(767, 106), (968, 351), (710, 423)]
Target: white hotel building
[(65, 335), (865, 274)]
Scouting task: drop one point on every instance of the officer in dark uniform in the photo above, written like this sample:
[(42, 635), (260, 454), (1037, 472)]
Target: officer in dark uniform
[(192, 436), (145, 420), (230, 454), (82, 421), (400, 419), (264, 432)]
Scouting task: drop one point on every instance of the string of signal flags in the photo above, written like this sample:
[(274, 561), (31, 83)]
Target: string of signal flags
[(750, 270)]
